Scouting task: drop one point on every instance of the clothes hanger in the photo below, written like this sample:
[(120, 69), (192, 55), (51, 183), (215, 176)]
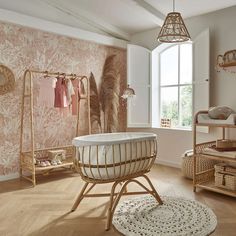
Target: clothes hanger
[(46, 74)]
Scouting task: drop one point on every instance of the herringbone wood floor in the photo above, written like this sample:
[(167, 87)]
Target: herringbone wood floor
[(44, 209)]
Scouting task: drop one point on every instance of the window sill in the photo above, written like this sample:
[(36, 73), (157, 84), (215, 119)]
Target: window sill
[(176, 129), (161, 128)]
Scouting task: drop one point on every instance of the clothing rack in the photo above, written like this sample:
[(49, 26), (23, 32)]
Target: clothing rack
[(27, 159)]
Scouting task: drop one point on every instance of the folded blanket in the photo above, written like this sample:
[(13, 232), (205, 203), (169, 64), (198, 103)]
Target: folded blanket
[(204, 118), (212, 151)]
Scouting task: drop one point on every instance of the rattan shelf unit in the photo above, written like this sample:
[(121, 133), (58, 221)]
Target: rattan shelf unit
[(205, 179), (28, 168)]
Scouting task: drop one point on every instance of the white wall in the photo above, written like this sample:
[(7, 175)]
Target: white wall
[(172, 143), (170, 149)]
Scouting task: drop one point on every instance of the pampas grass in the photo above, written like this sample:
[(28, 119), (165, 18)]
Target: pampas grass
[(109, 94), (107, 104), (94, 105)]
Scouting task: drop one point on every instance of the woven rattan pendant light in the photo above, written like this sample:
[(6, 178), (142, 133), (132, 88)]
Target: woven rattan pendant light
[(173, 29)]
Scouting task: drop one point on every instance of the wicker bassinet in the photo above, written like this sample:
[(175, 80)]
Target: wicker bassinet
[(118, 158)]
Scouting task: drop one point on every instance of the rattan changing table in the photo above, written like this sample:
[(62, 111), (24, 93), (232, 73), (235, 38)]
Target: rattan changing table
[(205, 179)]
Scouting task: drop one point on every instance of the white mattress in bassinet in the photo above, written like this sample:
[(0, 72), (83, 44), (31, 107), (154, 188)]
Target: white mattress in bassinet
[(112, 138)]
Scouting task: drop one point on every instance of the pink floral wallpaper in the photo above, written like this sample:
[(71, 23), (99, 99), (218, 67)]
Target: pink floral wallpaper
[(22, 48)]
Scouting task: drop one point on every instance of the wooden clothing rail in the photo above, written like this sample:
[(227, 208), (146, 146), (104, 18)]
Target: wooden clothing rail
[(49, 73), (27, 158)]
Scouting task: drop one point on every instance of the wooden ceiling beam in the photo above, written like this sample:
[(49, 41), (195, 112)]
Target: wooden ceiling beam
[(90, 19), (156, 15)]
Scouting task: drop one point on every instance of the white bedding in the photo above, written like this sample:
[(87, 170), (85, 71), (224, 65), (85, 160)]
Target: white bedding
[(211, 151), (204, 118)]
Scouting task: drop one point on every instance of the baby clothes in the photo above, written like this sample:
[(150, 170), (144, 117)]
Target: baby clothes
[(70, 91), (79, 90), (46, 91), (60, 93)]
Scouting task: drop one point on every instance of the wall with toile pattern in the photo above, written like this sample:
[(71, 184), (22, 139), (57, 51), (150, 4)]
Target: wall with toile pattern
[(22, 48)]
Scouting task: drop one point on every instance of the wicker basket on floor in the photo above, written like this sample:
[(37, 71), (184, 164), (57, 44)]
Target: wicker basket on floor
[(202, 164)]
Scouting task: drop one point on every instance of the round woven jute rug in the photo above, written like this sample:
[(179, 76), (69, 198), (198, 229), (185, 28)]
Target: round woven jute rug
[(142, 216)]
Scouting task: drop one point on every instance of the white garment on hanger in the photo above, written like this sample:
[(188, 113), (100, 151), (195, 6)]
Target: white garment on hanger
[(70, 91)]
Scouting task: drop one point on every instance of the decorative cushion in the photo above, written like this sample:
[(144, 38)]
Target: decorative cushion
[(219, 112)]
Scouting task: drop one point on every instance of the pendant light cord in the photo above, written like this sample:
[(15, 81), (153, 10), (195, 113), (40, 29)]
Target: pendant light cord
[(173, 5)]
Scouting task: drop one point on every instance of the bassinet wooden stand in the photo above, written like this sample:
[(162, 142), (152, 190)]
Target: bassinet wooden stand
[(28, 168), (115, 196)]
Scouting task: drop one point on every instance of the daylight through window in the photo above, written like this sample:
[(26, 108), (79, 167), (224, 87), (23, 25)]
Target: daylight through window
[(176, 85)]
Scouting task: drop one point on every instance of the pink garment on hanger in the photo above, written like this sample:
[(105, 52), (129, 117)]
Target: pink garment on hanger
[(60, 94), (46, 91)]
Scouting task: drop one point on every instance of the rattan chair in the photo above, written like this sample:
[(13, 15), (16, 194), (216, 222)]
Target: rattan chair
[(115, 160)]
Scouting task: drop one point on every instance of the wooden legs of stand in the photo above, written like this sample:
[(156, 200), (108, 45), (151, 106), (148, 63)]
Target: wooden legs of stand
[(153, 192), (112, 204), (80, 197), (32, 179), (115, 196), (123, 191)]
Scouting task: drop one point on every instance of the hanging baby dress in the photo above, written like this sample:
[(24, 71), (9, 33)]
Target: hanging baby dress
[(60, 93), (46, 91)]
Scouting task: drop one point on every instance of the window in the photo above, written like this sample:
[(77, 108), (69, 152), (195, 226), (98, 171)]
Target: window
[(175, 86), (172, 81)]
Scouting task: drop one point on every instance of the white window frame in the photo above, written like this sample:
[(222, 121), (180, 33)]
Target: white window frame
[(150, 107), (177, 85)]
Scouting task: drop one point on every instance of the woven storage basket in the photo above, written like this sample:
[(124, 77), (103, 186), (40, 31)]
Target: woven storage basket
[(227, 181), (59, 154), (222, 167), (202, 164)]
